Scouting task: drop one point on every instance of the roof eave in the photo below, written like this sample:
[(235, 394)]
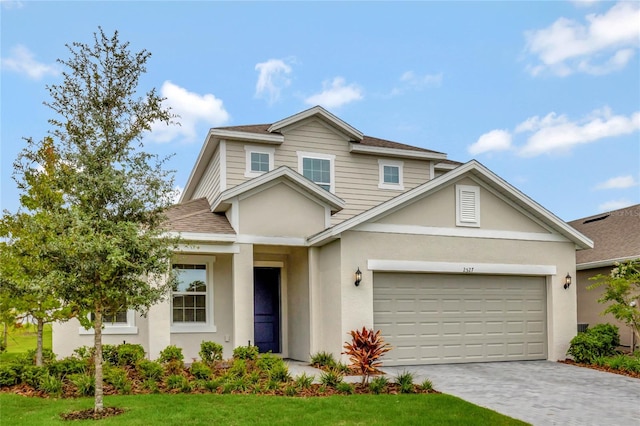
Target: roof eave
[(318, 110), (395, 152)]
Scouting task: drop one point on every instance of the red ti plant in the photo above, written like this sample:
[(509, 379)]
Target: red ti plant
[(365, 350)]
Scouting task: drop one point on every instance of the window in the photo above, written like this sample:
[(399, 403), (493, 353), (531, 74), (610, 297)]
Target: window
[(391, 174), (259, 160), (318, 168), (189, 295), (121, 322), (467, 205), (119, 317)]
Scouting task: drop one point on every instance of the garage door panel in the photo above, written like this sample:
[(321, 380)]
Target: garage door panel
[(460, 318)]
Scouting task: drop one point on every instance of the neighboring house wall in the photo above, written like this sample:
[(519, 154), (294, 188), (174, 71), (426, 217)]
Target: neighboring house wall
[(590, 311), (209, 185)]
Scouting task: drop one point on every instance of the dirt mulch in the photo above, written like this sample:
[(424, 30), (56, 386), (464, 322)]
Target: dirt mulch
[(89, 414), (602, 368)]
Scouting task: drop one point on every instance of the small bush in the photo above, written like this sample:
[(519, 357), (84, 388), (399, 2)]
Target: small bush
[(378, 384), (331, 378), (130, 354), (51, 385), (210, 352), (149, 369), (171, 353), (31, 375), (29, 357), (173, 367), (200, 371), (212, 385), (85, 383), (600, 340), (303, 381), (344, 387), (426, 385), (405, 381), (365, 350), (8, 376), (110, 354), (291, 390), (175, 381), (246, 352), (84, 352), (343, 368), (117, 377), (239, 368), (151, 385), (280, 373), (323, 359), (267, 362), (68, 366)]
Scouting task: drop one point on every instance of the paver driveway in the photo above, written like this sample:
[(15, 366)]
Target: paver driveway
[(538, 392)]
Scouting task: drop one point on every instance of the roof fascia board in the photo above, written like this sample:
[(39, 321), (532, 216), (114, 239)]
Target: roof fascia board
[(248, 136), (203, 237), (445, 166), (317, 110), (395, 152), (603, 263)]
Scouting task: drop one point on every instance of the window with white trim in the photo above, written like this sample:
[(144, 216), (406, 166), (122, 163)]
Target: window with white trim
[(258, 160), (467, 205), (189, 294), (391, 174), (318, 168), (121, 322)]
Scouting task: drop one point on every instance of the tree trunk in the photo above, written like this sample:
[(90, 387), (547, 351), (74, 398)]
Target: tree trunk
[(39, 342), (5, 334), (98, 406)]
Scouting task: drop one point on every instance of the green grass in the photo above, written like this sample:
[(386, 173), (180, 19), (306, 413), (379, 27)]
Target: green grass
[(435, 409), (22, 339)]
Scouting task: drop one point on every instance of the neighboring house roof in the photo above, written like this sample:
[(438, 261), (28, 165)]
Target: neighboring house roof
[(472, 168), (281, 174), (195, 216), (616, 237)]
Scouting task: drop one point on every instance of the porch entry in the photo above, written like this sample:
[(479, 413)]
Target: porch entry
[(266, 309)]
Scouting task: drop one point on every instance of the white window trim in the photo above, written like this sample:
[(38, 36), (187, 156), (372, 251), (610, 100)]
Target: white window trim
[(115, 328), (208, 326), (466, 221), (332, 160), (387, 185), (249, 149)]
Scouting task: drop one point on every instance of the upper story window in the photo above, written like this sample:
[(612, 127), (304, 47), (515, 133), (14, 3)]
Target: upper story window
[(318, 168), (391, 174), (259, 160), (467, 205)]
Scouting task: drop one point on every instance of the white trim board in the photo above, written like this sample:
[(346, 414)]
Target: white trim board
[(469, 268)]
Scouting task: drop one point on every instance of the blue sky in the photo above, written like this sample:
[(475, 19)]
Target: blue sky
[(545, 94)]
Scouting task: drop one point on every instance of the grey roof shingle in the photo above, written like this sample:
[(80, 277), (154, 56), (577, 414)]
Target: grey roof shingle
[(615, 235), (196, 216)]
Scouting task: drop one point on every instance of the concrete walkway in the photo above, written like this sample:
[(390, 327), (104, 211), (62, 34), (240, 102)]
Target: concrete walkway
[(538, 392)]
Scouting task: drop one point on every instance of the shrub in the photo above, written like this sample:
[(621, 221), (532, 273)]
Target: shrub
[(426, 385), (331, 378), (174, 367), (200, 370), (280, 373), (267, 362), (151, 385), (210, 352), (378, 384), (291, 390), (175, 381), (149, 369), (600, 340), (239, 368), (344, 387), (68, 366), (246, 352), (51, 385), (212, 385), (323, 359), (84, 352), (365, 350), (405, 381), (303, 381), (129, 354), (31, 375), (29, 357), (171, 353), (8, 376), (85, 383), (117, 377), (110, 354)]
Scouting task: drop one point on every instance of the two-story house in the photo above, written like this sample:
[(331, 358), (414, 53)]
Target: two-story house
[(296, 232)]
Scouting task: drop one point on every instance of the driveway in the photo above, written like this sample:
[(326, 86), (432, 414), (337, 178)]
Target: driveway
[(538, 392)]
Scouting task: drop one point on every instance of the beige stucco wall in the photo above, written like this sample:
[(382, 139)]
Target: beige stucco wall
[(590, 311), (298, 304), (281, 211), (328, 304)]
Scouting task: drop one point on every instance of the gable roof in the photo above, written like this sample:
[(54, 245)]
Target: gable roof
[(472, 168), (616, 237), (321, 113), (281, 174), (196, 216)]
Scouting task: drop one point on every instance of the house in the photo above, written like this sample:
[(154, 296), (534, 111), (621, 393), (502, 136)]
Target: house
[(298, 231), (616, 237)]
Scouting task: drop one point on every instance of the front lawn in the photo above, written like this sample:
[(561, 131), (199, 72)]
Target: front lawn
[(22, 339), (436, 409)]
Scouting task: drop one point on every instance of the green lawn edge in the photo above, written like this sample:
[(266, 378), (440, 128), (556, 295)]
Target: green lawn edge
[(23, 339), (207, 409)]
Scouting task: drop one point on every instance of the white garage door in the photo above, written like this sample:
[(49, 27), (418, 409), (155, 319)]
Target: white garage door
[(439, 319)]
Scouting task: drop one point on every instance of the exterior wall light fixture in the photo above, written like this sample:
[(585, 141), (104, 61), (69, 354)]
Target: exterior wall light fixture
[(358, 277), (567, 281)]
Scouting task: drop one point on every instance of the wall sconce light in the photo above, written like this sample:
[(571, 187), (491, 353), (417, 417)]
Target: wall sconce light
[(567, 281), (358, 277)]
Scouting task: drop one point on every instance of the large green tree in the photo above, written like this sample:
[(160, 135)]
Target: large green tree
[(114, 253)]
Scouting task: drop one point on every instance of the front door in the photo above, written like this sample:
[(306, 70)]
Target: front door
[(266, 309)]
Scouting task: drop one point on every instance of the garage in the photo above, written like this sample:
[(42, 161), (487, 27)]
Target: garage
[(452, 318)]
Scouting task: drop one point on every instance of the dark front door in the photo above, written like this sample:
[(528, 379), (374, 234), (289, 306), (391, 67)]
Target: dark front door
[(266, 309)]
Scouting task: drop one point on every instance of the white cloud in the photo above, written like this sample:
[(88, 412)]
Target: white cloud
[(618, 182), (410, 81), (23, 62), (11, 4), (192, 109), (335, 94), (495, 140), (558, 134), (177, 193), (603, 44), (614, 205), (272, 79)]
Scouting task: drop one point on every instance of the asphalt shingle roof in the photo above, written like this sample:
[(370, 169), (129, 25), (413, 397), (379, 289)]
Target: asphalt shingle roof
[(196, 216)]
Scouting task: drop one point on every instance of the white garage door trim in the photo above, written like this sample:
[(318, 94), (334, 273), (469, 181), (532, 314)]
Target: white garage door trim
[(453, 318), (459, 267)]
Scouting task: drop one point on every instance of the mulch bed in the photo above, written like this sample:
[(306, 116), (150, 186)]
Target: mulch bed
[(89, 414), (601, 368)]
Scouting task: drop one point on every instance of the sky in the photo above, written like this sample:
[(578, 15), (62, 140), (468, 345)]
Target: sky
[(545, 94)]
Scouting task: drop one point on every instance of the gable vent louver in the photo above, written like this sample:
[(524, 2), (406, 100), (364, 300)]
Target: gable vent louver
[(467, 205)]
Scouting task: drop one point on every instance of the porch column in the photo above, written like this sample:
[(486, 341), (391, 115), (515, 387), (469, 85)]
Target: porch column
[(243, 295), (159, 320), (315, 308)]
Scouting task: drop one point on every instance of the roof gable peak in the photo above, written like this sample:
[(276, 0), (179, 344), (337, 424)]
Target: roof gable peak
[(323, 114)]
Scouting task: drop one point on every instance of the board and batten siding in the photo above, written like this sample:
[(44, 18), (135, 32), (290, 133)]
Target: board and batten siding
[(209, 184), (356, 175)]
